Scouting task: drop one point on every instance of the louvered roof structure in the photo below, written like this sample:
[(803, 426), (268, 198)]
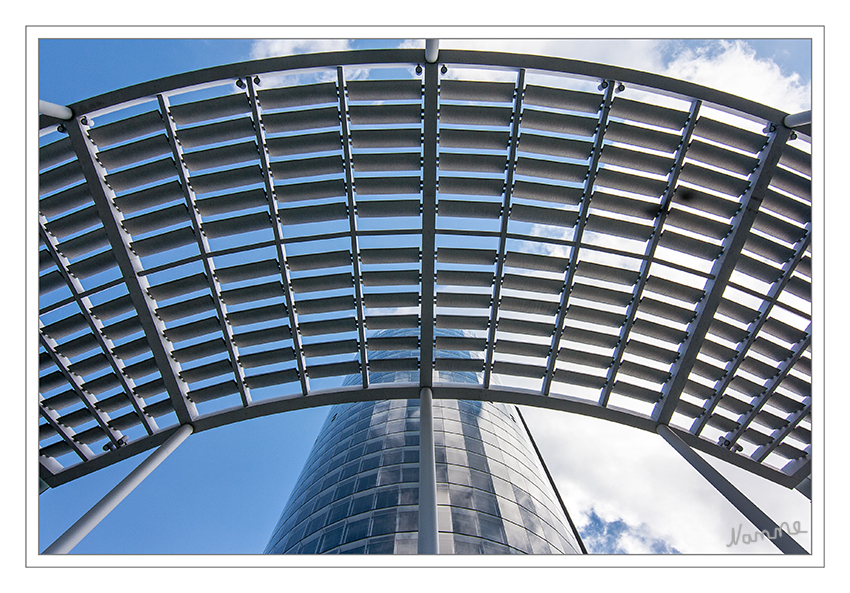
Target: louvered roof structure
[(230, 243)]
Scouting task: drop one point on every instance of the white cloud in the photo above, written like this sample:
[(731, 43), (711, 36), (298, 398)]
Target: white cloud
[(730, 66), (270, 48), (621, 473), (734, 67), (643, 54)]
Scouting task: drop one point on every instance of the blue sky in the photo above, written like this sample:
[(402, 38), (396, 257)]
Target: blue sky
[(222, 491)]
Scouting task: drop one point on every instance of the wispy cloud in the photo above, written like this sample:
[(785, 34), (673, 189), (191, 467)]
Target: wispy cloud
[(618, 473), (734, 67), (270, 48), (618, 537)]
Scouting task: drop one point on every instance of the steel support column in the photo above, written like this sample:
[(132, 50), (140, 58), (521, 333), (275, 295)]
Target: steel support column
[(66, 542), (428, 532), (429, 225), (755, 515)]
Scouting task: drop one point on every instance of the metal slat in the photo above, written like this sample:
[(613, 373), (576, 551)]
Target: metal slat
[(730, 135), (549, 216), (595, 316), (248, 271), (642, 137), (475, 257), (362, 115), (534, 261), (215, 133), (472, 139), (297, 96), (193, 329), (388, 208), (399, 255), (644, 186), (384, 90), (311, 214), (619, 228), (149, 197), (663, 117), (280, 146), (563, 99), (546, 169), (394, 161), (374, 186), (721, 157), (632, 159), (220, 156), (706, 202), (801, 212), (460, 300), (544, 192), (697, 224), (209, 109), (126, 129), (463, 161), (469, 209), (645, 209), (304, 119), (75, 222), (525, 305)]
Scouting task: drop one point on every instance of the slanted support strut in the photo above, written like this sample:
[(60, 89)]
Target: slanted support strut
[(428, 532), (54, 110), (755, 515), (66, 542)]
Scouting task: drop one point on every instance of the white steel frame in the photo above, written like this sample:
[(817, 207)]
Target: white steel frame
[(642, 159)]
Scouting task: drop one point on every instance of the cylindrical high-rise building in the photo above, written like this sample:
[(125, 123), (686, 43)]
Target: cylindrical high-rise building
[(358, 492), (359, 489)]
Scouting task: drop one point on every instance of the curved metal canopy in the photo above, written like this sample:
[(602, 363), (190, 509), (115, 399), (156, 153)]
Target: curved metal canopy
[(233, 242)]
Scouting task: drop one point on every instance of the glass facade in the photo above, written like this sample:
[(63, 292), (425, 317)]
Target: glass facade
[(358, 491)]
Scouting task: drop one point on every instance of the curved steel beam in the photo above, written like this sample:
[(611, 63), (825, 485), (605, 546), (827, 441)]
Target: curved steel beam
[(148, 90), (378, 392)]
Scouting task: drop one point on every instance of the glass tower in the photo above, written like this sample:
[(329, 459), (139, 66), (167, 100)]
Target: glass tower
[(359, 489)]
